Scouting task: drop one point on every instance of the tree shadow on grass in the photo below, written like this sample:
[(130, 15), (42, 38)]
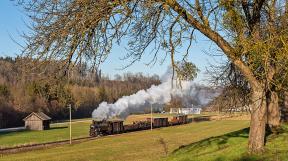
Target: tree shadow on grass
[(221, 141), (216, 144), (247, 157)]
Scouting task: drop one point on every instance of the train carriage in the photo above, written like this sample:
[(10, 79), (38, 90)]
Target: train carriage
[(109, 127), (158, 121), (179, 119)]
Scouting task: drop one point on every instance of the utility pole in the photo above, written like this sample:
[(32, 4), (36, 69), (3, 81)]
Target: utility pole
[(69, 106), (151, 117), (70, 128)]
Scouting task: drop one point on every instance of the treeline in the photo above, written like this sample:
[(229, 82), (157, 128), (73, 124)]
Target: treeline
[(22, 93)]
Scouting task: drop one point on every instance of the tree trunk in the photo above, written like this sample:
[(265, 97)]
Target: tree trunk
[(285, 107), (273, 112), (258, 123)]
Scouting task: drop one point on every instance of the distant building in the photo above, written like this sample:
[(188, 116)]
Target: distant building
[(37, 121), (185, 111)]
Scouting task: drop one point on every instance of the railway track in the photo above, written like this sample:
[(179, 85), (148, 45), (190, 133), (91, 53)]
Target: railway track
[(23, 148)]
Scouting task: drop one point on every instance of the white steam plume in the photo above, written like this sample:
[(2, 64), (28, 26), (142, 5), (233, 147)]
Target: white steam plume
[(159, 94)]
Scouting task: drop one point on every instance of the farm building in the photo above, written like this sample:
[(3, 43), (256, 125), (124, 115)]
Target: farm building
[(185, 111), (37, 121)]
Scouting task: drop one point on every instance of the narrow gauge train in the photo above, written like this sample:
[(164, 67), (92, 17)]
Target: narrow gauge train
[(109, 127)]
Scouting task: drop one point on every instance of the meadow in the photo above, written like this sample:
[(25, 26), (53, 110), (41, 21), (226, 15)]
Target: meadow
[(60, 131), (57, 132), (233, 147), (216, 140), (137, 146)]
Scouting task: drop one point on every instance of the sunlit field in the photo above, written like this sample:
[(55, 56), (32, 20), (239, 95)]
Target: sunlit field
[(141, 145), (59, 131)]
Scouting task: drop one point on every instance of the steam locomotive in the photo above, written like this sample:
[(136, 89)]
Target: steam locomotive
[(109, 127)]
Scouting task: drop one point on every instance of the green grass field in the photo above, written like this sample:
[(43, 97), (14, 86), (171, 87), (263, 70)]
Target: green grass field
[(209, 141), (56, 133), (137, 146), (233, 147), (60, 131)]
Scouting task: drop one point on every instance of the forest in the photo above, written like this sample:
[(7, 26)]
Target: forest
[(22, 92)]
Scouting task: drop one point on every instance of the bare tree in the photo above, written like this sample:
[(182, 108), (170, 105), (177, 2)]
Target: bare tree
[(251, 33), (236, 92)]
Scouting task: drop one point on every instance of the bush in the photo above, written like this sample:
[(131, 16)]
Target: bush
[(4, 91)]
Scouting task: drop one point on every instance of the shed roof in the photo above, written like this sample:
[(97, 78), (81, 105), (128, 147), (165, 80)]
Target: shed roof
[(40, 115)]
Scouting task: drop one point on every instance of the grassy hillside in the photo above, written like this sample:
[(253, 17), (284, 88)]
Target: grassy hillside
[(137, 146), (232, 147), (60, 131)]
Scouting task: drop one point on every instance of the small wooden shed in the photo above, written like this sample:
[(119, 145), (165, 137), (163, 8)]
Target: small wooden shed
[(37, 121)]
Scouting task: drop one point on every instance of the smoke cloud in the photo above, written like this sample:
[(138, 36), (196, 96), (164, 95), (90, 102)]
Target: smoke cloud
[(190, 92)]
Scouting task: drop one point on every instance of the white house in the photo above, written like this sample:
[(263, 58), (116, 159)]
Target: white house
[(185, 110)]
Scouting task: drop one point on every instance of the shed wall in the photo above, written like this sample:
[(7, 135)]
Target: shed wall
[(34, 123)]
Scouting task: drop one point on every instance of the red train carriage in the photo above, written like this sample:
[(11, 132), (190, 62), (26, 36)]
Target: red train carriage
[(179, 119), (158, 122), (109, 127), (137, 125), (106, 127)]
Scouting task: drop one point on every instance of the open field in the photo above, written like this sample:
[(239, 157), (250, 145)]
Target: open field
[(60, 131), (56, 133), (137, 146), (233, 147)]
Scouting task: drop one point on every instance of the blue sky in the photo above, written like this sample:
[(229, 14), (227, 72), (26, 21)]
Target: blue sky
[(12, 24)]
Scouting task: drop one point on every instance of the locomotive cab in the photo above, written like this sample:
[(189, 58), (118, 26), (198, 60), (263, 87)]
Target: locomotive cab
[(106, 127)]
